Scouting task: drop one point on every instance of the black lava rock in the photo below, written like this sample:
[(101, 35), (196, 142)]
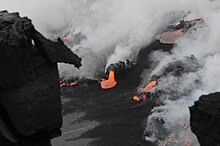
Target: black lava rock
[(179, 67), (205, 119), (29, 79)]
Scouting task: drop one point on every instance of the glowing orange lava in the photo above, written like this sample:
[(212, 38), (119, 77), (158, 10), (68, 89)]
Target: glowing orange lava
[(149, 87), (188, 142), (63, 84), (136, 98), (110, 83), (171, 36), (72, 84), (66, 37), (185, 126)]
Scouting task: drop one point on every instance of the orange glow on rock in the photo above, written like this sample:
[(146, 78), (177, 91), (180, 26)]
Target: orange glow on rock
[(171, 36), (66, 37), (136, 98), (64, 84), (185, 126), (110, 83), (149, 87), (73, 84), (188, 142)]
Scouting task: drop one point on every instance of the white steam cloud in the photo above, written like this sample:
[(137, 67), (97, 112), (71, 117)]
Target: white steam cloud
[(115, 29), (205, 46), (47, 15)]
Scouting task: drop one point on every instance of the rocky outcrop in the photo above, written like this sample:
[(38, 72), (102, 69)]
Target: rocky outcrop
[(29, 79), (205, 119), (120, 67)]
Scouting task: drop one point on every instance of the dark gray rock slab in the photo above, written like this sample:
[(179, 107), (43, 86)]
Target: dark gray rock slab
[(205, 119)]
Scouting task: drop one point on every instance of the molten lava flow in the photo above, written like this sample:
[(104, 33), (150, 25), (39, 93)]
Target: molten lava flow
[(63, 84), (140, 98), (72, 84), (144, 92), (185, 126), (110, 83), (171, 36), (66, 37), (149, 87), (188, 142), (136, 98)]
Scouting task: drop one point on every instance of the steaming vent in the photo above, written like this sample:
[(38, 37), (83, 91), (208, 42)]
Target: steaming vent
[(120, 67)]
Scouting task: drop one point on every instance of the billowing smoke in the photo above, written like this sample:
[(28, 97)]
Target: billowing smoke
[(114, 30), (167, 125), (47, 16)]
